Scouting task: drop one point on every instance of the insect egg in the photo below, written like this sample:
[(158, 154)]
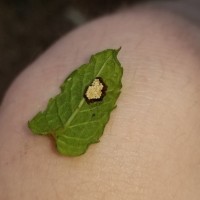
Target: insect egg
[(95, 91)]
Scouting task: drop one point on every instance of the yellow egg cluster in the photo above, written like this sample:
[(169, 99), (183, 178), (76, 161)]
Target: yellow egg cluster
[(94, 91)]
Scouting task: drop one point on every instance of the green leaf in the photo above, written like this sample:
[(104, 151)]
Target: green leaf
[(77, 116)]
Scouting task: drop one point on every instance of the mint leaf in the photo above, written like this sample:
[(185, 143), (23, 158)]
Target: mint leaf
[(77, 116)]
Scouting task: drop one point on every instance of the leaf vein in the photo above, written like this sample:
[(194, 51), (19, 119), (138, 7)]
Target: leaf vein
[(82, 101), (84, 123)]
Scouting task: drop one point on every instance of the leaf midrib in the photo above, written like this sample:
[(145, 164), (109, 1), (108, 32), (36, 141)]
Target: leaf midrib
[(82, 100)]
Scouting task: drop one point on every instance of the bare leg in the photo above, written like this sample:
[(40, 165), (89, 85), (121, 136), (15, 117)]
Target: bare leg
[(150, 148)]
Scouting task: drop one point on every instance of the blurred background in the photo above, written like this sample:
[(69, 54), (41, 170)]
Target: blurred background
[(29, 27)]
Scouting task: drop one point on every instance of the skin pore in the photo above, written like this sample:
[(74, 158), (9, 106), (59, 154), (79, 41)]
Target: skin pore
[(151, 146)]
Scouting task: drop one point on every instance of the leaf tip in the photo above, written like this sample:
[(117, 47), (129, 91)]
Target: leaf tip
[(117, 50)]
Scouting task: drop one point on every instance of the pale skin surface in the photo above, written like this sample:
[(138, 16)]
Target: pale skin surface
[(151, 146)]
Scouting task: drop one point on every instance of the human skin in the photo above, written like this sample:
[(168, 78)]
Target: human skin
[(150, 147)]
